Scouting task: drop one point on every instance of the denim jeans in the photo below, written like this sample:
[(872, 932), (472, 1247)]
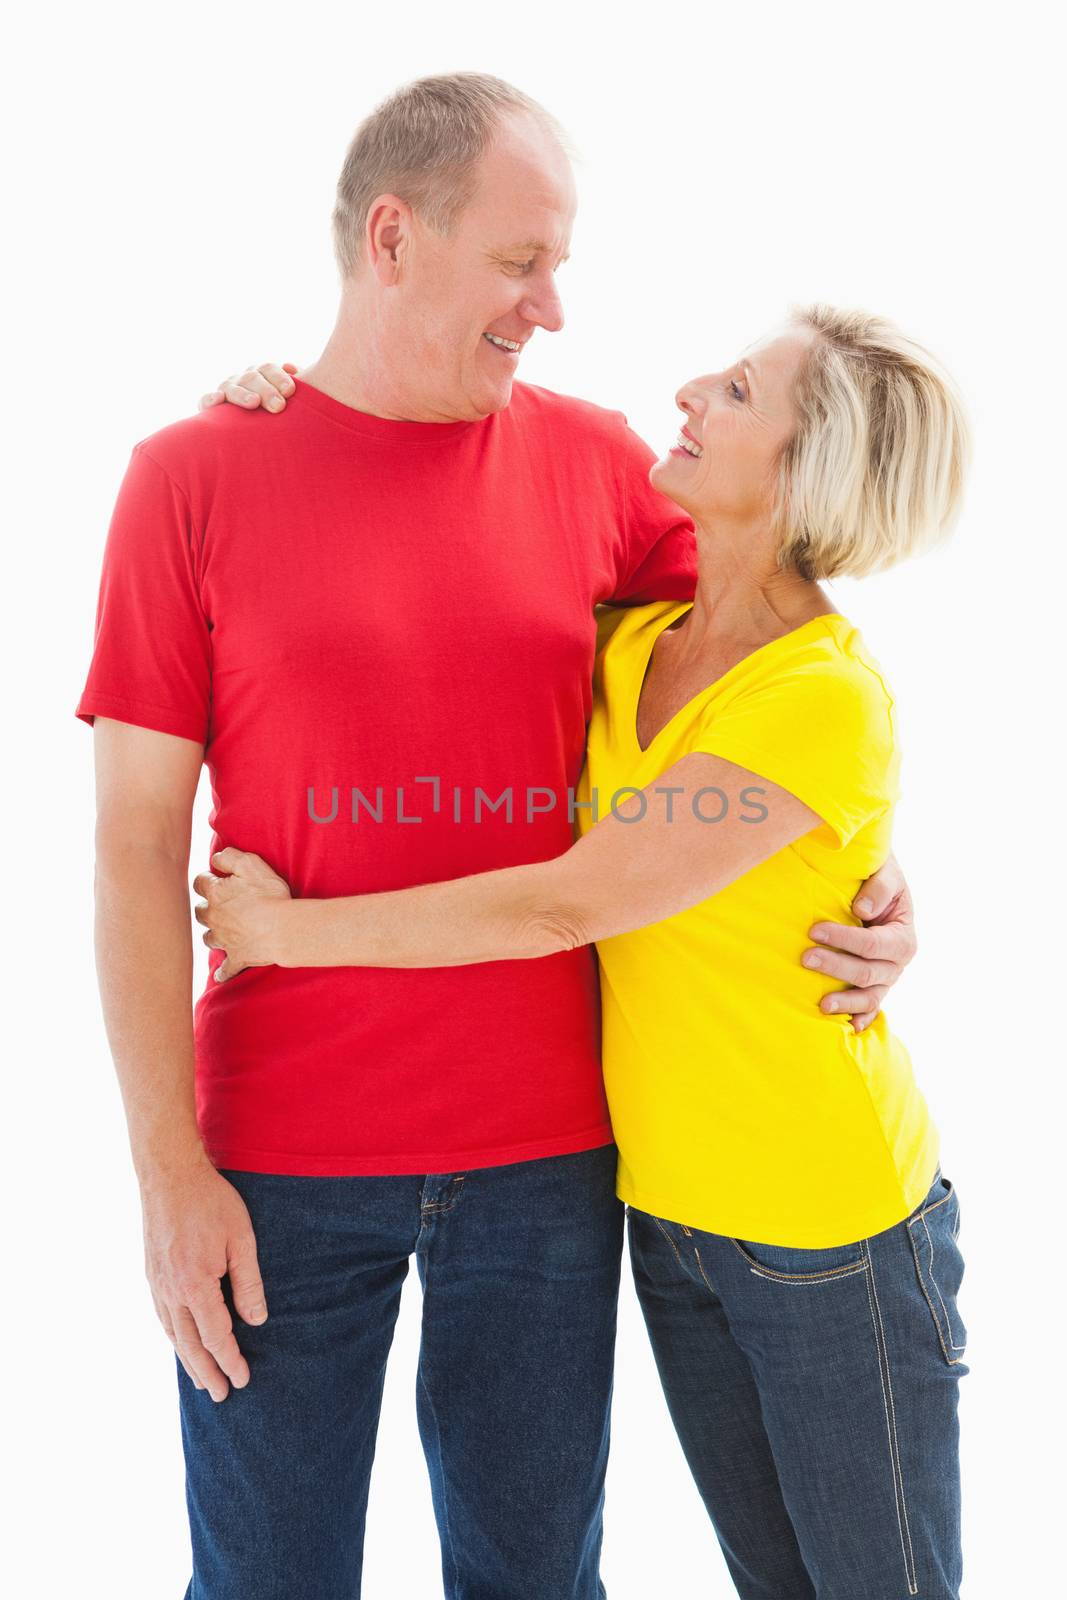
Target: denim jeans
[(815, 1393), (520, 1270)]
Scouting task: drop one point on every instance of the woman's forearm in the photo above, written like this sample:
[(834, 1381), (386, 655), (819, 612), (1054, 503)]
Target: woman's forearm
[(614, 879), (492, 916)]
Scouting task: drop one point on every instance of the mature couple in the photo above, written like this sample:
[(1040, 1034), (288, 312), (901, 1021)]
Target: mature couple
[(402, 1049)]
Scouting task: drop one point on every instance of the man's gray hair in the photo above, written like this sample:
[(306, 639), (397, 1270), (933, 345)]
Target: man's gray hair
[(424, 144)]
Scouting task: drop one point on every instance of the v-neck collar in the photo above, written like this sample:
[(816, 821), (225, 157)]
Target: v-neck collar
[(645, 660)]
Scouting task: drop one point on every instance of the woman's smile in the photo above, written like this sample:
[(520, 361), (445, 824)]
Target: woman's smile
[(687, 445)]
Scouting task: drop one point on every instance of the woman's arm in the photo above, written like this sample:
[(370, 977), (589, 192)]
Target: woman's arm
[(701, 825)]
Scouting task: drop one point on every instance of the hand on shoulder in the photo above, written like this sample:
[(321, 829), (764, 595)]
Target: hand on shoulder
[(267, 386)]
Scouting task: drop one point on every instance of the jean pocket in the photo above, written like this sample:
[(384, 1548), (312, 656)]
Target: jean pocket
[(934, 1234), (789, 1264)]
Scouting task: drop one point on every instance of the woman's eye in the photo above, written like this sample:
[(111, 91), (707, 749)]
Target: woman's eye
[(736, 389)]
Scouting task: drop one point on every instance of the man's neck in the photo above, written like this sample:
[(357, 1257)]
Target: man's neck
[(342, 376), (353, 369)]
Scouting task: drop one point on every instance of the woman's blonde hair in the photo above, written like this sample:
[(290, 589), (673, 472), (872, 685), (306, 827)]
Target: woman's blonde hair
[(875, 470)]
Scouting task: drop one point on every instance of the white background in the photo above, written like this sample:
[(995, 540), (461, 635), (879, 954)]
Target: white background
[(172, 171)]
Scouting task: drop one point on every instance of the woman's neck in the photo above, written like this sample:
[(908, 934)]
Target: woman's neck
[(741, 600)]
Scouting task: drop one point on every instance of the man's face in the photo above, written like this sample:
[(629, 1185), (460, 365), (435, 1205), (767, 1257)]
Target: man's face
[(493, 275)]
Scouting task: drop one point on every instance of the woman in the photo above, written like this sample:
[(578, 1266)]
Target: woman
[(793, 1239)]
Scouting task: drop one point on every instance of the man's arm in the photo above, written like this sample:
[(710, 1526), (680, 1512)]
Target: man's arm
[(871, 957), (196, 1226), (658, 556)]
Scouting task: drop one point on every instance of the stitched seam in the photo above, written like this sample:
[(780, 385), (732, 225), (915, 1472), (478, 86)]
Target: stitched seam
[(441, 1206), (953, 1361), (130, 700), (444, 1479), (798, 1277), (891, 1423), (670, 1241), (846, 1036), (445, 1533), (388, 1162), (622, 489), (703, 1274), (948, 1320), (197, 532), (806, 1281), (934, 1207)]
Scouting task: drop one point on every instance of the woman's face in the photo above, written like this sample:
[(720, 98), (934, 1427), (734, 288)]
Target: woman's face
[(723, 468)]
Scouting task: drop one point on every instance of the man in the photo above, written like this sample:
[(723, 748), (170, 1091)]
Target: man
[(386, 595)]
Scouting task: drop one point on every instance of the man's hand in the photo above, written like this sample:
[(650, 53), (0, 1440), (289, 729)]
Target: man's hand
[(197, 1229), (265, 386), (870, 958), (241, 913)]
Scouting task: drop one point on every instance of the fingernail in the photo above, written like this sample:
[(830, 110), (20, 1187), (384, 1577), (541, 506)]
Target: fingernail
[(831, 1005), (812, 959), (258, 1314), (819, 932), (274, 405), (864, 905)]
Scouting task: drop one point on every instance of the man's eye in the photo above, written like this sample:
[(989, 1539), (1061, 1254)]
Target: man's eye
[(736, 389), (522, 266)]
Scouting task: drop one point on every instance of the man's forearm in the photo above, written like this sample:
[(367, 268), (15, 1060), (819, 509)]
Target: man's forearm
[(145, 966)]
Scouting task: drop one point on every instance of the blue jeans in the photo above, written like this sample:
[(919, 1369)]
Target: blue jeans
[(520, 1270), (815, 1393)]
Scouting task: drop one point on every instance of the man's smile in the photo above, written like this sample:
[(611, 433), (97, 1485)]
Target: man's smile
[(508, 346)]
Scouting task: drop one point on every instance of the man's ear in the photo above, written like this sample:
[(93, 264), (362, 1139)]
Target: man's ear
[(389, 224)]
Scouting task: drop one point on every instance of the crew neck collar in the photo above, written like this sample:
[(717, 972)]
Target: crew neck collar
[(387, 429)]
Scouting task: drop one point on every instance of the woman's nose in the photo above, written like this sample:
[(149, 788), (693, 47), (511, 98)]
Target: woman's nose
[(688, 396)]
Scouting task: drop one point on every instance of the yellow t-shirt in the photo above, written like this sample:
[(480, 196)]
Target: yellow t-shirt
[(738, 1106)]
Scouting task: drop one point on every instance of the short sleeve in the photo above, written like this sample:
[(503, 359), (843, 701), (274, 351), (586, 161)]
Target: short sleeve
[(659, 560), (823, 730), (151, 661)]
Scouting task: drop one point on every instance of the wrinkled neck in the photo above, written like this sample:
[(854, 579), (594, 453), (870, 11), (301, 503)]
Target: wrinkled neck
[(361, 367), (742, 594)]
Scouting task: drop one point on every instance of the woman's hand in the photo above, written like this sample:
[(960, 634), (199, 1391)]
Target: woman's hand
[(244, 911), (265, 386)]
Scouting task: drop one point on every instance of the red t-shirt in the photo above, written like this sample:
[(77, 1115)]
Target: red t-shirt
[(331, 601)]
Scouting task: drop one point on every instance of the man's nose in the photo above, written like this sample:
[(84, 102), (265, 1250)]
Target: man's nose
[(545, 308)]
